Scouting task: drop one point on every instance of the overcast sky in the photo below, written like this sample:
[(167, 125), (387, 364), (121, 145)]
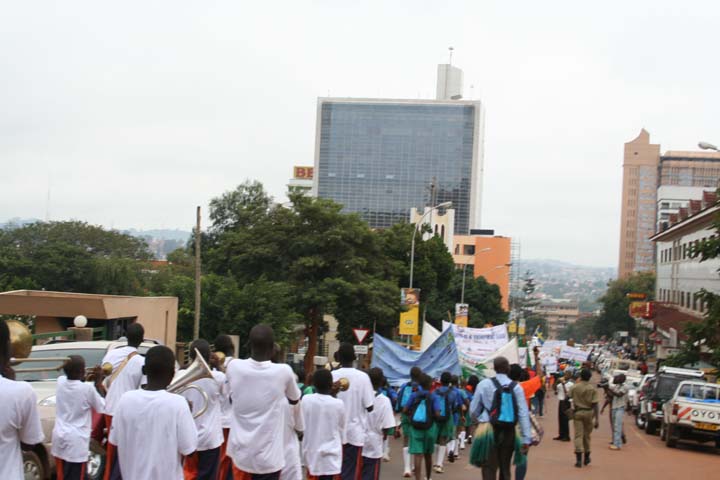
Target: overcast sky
[(133, 113)]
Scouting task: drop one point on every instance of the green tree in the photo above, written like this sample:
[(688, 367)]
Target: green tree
[(525, 305), (311, 258), (581, 330), (71, 256), (439, 281), (614, 315)]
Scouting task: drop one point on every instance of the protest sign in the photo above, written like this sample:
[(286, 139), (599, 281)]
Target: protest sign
[(573, 354)]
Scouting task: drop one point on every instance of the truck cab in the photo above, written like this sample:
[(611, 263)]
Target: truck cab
[(658, 390), (693, 413)]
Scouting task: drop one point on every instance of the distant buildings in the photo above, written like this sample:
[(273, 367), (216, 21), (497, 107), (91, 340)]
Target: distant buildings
[(380, 157), (490, 257), (654, 187), (558, 314), (679, 276)]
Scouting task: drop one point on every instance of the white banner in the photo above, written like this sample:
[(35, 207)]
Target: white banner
[(572, 353), (549, 363), (522, 356), (509, 351), (550, 346), (478, 342)]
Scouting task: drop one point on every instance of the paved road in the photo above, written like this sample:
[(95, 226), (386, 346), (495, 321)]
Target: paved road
[(644, 457)]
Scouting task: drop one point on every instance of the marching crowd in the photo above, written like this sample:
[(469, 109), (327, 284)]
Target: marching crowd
[(254, 420)]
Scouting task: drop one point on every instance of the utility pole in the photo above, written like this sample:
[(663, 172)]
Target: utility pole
[(196, 325)]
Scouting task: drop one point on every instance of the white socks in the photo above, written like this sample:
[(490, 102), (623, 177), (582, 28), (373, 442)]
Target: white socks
[(406, 460), (452, 447), (440, 449), (386, 447), (462, 439)]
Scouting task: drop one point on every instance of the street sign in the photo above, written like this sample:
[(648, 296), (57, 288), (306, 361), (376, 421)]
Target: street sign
[(636, 296), (361, 349), (360, 334)]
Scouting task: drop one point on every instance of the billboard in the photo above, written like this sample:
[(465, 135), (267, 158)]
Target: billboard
[(461, 314), (303, 173), (410, 319)]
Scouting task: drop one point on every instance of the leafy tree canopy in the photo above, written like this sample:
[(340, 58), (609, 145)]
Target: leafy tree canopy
[(71, 256), (614, 315)]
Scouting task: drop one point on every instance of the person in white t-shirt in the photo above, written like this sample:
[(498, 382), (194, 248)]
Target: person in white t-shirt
[(152, 429), (562, 387), (204, 463), (358, 400), (260, 391), (74, 402), (223, 344), (324, 429), (126, 375), (19, 419), (380, 422)]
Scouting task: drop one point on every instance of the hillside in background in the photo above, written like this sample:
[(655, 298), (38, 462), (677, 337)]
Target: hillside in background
[(558, 279)]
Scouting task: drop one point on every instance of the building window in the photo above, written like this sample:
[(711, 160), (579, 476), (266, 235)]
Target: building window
[(468, 249), (457, 249)]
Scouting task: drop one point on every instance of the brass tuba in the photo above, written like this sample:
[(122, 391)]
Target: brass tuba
[(21, 342), (197, 370)]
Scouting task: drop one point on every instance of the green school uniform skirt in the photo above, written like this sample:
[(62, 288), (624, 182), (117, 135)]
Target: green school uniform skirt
[(405, 425), (446, 429), (422, 441)]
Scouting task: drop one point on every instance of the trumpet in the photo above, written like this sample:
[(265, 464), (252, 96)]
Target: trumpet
[(197, 370), (20, 347), (220, 356), (341, 385)]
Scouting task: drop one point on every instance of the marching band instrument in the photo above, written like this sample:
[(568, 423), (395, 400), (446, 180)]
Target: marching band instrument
[(197, 370), (219, 360), (341, 385), (20, 347)]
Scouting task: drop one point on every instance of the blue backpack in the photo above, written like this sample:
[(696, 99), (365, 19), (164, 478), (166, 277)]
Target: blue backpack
[(420, 412), (446, 409), (503, 412), (404, 396)]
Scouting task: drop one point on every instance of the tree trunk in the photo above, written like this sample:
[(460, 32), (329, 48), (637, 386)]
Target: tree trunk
[(313, 327)]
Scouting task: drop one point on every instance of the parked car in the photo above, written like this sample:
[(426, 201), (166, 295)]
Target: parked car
[(39, 463), (659, 389), (634, 400), (693, 413)]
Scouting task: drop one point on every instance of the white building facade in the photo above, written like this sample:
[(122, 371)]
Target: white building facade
[(679, 276)]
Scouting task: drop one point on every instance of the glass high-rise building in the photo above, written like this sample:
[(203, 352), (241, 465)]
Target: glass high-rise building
[(379, 157)]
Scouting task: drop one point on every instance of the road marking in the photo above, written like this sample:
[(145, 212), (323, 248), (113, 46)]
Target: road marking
[(641, 437)]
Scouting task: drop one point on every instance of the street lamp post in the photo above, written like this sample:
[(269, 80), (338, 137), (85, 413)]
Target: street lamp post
[(412, 245), (708, 146), (496, 267)]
